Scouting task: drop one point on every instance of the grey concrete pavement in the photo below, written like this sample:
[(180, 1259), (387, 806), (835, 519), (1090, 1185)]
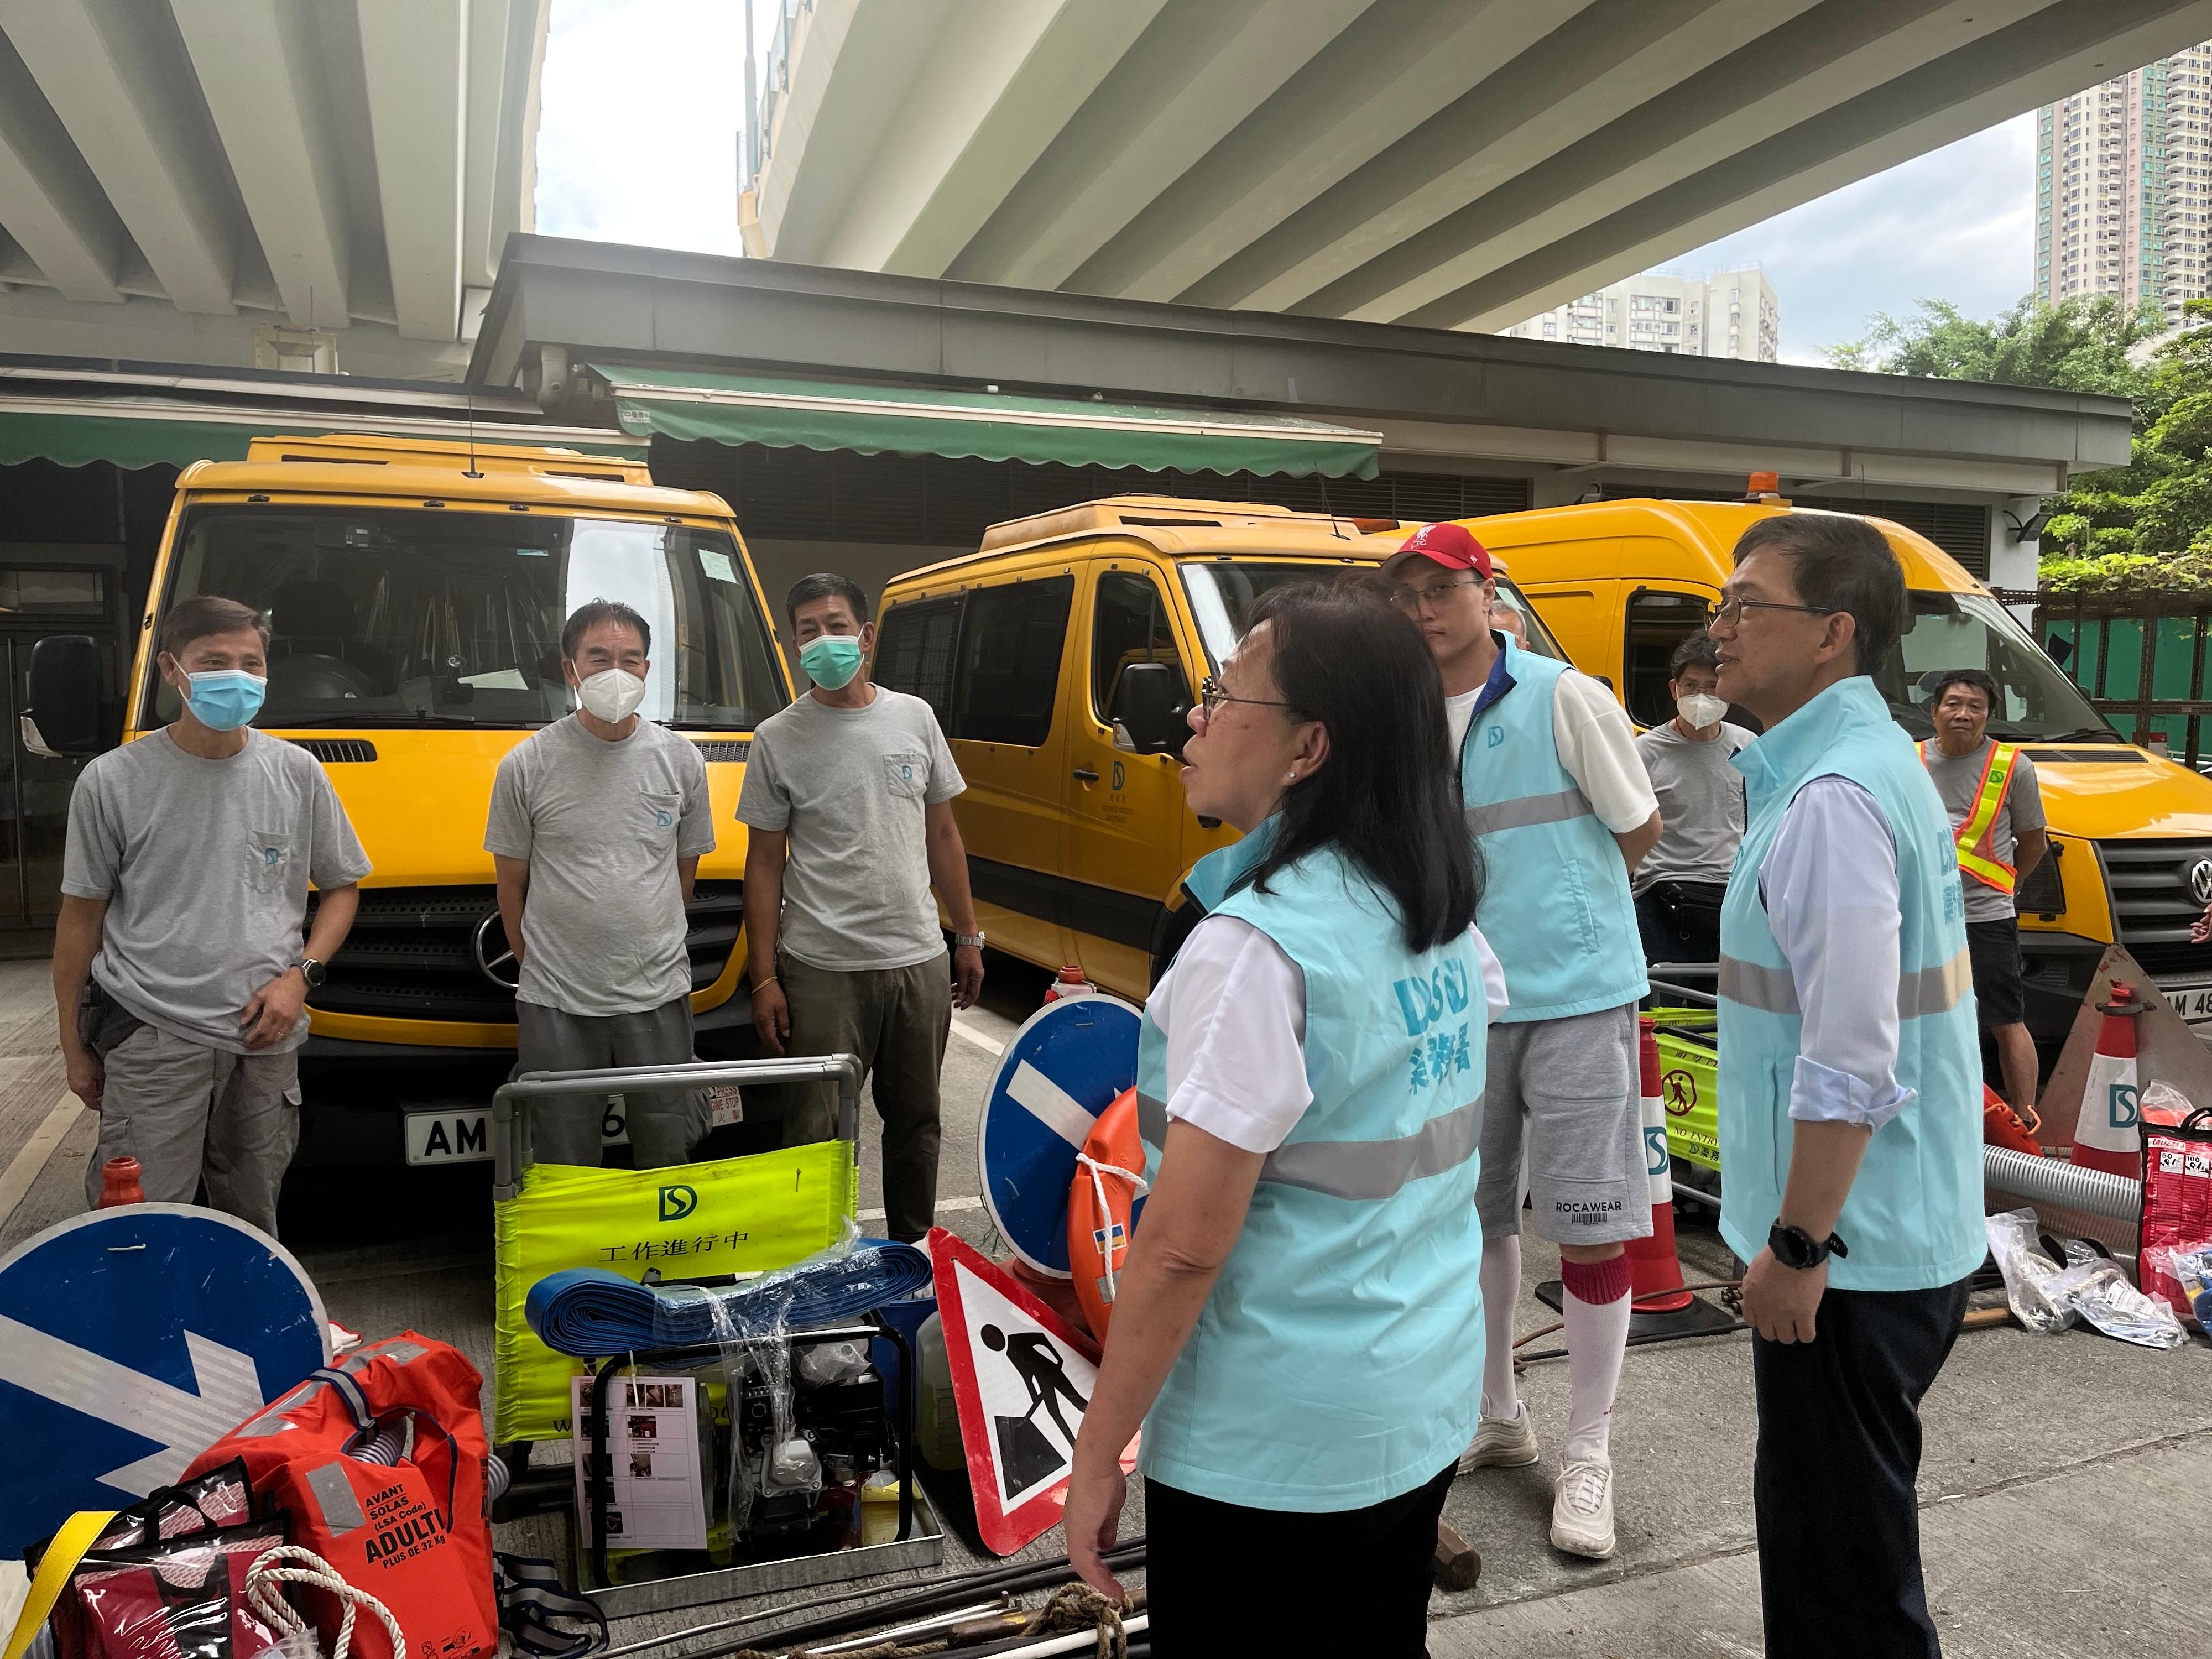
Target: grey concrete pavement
[(2062, 1493)]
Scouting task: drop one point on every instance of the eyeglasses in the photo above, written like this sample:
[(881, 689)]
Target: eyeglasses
[(1211, 694), (1730, 611), (1406, 598)]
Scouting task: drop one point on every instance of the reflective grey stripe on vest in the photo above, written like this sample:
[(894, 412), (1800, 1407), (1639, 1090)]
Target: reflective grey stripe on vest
[(1934, 990), (1926, 991), (334, 1495), (1377, 1169), (1757, 987), (1151, 1119), (1525, 810)]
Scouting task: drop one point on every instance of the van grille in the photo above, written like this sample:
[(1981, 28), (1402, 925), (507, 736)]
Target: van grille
[(411, 954), (2154, 900)]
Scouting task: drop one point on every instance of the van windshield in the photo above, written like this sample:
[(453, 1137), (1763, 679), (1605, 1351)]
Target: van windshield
[(2035, 700), (1221, 592), (386, 617)]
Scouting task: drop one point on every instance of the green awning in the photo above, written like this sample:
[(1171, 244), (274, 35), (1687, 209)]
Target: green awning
[(745, 409), (146, 432)]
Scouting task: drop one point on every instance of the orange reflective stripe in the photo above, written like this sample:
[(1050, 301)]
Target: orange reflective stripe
[(1972, 835)]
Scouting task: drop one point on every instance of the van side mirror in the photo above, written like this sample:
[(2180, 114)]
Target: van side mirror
[(63, 718), (1146, 703)]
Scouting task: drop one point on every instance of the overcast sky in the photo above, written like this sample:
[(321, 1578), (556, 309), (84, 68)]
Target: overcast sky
[(643, 100)]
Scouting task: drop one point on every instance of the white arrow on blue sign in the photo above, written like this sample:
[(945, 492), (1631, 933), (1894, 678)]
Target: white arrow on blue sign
[(131, 1341), (1063, 1067)]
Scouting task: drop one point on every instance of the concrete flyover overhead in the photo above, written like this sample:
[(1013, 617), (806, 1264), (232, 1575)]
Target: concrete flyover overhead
[(1551, 423), (174, 173), (1455, 165)]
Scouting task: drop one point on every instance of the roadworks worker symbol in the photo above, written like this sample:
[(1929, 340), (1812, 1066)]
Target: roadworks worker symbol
[(1022, 1381)]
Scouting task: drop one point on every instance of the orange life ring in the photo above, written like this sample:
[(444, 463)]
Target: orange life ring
[(1101, 1201)]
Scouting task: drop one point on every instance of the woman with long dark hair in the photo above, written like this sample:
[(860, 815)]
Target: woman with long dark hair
[(1300, 1322)]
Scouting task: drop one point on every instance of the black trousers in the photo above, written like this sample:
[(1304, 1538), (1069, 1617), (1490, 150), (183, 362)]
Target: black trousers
[(1834, 1480), (1680, 920), (1222, 1579)]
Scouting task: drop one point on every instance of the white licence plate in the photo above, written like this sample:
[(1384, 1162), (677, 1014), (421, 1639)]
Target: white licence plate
[(2192, 1002), (466, 1136)]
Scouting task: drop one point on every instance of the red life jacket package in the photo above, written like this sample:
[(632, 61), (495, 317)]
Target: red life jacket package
[(379, 1462), (182, 1598)]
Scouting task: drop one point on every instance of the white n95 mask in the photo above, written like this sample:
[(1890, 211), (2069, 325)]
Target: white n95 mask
[(613, 696), (1698, 711)]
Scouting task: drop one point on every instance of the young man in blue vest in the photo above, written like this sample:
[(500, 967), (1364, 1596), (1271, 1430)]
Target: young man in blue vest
[(1850, 1086), (1561, 808)]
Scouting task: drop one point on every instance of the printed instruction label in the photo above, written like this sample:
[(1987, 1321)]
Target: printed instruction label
[(659, 1499)]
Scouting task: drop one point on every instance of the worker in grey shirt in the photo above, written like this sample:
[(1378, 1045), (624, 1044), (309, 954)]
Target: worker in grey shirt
[(1680, 885), (598, 824), (1995, 805), (849, 799), (180, 973)]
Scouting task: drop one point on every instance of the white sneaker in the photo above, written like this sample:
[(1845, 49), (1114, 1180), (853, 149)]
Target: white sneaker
[(1501, 1442), (1582, 1509)]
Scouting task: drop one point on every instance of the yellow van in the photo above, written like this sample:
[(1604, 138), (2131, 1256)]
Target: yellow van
[(1620, 583), (416, 591), (1060, 658)]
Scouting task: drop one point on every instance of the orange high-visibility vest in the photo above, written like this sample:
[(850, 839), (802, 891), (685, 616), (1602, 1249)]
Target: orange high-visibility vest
[(1976, 858)]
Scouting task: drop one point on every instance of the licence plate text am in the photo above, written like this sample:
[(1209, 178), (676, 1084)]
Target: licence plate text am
[(2192, 1002), (465, 1137)]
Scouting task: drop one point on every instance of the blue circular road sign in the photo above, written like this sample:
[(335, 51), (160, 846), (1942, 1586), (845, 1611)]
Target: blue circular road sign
[(131, 1341), (1063, 1066)]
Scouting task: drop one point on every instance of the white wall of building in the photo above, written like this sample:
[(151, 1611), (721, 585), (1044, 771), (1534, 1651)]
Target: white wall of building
[(1730, 313)]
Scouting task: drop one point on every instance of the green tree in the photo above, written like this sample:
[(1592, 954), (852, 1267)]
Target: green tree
[(2081, 345), (2148, 523)]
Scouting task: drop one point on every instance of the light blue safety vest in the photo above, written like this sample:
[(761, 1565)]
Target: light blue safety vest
[(1913, 1220), (1339, 1360), (1555, 901)]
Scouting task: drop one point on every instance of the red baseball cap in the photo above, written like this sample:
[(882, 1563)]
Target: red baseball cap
[(1451, 545)]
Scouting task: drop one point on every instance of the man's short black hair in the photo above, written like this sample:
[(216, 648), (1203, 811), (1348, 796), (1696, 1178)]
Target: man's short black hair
[(206, 615), (1699, 651), (1940, 682), (1839, 562), (825, 585), (590, 614)]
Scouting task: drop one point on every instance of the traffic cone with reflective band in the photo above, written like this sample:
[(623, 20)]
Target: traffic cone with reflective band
[(1657, 1268), (2107, 1135)]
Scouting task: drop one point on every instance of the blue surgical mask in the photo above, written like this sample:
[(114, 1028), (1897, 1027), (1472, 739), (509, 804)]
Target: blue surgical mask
[(225, 699), (832, 661)]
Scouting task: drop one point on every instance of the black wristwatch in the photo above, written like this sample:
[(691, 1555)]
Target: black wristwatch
[(1797, 1249), (313, 972)]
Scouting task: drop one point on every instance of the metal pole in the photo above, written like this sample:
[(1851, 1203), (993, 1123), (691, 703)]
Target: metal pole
[(750, 168)]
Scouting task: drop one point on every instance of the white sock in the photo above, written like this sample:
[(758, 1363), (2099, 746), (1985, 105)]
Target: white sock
[(1501, 1289), (1597, 1339)]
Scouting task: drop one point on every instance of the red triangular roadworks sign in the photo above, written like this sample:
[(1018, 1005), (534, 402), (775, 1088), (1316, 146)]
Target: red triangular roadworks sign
[(1021, 1379)]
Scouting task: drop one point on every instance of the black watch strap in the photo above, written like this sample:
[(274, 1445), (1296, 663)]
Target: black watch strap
[(1796, 1249)]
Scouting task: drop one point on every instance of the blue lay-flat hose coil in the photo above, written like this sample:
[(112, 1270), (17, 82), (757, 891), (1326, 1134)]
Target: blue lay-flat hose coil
[(591, 1313)]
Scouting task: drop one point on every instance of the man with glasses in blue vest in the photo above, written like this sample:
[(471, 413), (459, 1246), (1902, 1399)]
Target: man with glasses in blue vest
[(1559, 804), (1850, 1086)]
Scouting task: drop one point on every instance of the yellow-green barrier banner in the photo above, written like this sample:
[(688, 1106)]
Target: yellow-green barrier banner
[(696, 1220), (1688, 1083)]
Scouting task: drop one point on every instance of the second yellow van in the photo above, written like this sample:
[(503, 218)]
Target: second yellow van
[(1061, 659)]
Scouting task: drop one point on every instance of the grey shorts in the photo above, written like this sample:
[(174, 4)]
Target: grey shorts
[(1567, 1090)]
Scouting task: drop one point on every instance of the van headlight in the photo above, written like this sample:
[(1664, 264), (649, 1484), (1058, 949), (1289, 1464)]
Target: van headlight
[(2042, 892)]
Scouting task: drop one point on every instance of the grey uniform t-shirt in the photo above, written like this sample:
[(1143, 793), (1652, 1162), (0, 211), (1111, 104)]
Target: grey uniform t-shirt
[(205, 865), (848, 787), (1700, 805), (603, 825), (1959, 780)]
